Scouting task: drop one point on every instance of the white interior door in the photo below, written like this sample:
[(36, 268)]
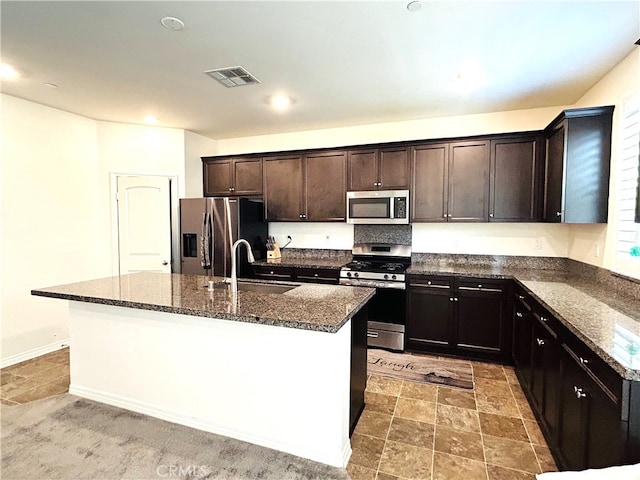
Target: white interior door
[(144, 224)]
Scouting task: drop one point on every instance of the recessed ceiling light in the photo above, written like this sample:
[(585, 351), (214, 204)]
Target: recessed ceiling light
[(280, 102), (150, 120), (414, 6), (172, 23), (7, 71)]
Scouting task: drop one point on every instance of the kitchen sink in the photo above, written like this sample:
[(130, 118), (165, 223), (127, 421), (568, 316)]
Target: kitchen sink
[(255, 287), (264, 287)]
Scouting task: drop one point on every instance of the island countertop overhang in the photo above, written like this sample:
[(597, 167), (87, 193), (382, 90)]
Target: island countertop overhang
[(324, 308)]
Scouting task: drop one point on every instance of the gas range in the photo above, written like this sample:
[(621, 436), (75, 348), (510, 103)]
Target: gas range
[(377, 265)]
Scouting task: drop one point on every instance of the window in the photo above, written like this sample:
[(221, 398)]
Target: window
[(628, 231)]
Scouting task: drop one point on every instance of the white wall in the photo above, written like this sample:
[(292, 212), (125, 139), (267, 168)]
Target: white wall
[(595, 244), (57, 206), (442, 127), (49, 180), (136, 150), (196, 146)]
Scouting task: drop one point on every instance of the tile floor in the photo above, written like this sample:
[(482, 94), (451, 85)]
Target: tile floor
[(34, 379), (408, 430), (419, 431)]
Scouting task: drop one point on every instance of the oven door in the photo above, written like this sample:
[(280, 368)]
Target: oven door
[(387, 319)]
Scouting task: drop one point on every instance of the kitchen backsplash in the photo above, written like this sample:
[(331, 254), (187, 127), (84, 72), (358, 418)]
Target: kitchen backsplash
[(398, 234)]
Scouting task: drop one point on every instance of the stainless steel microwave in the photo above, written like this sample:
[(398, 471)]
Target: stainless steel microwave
[(378, 207)]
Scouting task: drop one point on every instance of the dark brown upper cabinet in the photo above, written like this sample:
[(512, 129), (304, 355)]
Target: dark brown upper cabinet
[(308, 187), (429, 165), (379, 169), (232, 176), (450, 182), (577, 165), (284, 188), (514, 181)]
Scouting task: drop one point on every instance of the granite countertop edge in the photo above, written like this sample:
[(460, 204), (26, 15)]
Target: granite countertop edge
[(260, 320), (518, 276)]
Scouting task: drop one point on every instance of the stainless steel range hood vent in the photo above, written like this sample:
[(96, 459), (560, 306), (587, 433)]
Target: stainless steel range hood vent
[(233, 76)]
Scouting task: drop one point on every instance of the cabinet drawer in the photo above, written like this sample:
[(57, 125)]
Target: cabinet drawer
[(317, 275), (480, 285), (432, 283), (273, 272), (548, 321), (605, 376), (521, 297)]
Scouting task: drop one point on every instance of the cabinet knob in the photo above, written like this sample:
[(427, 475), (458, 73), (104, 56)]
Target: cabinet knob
[(544, 319), (315, 274), (491, 215), (521, 297), (479, 285), (558, 214), (584, 361), (540, 342), (271, 272), (451, 299), (519, 314), (444, 216), (231, 189), (300, 216), (455, 299), (579, 392)]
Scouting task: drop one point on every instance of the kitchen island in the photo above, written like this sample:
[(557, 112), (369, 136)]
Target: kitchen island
[(282, 366)]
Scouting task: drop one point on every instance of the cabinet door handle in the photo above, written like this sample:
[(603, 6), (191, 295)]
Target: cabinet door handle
[(540, 342), (521, 297), (543, 319), (579, 392), (584, 361), (372, 334), (519, 314)]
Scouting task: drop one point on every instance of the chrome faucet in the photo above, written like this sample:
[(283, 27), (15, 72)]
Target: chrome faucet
[(250, 258)]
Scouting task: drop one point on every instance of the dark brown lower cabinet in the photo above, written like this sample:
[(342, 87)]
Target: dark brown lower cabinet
[(296, 274), (591, 431), (522, 336), (545, 370), (430, 314), (458, 316), (589, 414), (358, 381)]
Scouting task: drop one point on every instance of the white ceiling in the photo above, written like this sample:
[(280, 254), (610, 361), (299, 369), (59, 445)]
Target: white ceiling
[(345, 63)]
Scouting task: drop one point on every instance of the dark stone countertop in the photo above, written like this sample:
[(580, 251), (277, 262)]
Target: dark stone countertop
[(324, 308), (606, 320)]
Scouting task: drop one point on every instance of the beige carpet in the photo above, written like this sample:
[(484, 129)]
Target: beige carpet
[(453, 373), (66, 437)]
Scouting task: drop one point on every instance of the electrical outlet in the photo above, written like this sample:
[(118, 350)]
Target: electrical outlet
[(327, 239), (537, 244)]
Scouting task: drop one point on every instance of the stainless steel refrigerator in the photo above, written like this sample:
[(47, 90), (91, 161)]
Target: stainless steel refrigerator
[(210, 226)]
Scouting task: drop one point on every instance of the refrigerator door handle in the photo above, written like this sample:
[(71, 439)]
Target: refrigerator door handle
[(205, 241), (227, 211)]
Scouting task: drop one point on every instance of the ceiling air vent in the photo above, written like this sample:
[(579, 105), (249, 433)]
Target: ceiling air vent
[(232, 76)]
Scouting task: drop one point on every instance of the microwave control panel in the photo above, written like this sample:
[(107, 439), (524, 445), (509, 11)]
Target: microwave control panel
[(400, 207)]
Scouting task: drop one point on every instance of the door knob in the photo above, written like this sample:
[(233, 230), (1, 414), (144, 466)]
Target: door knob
[(164, 262)]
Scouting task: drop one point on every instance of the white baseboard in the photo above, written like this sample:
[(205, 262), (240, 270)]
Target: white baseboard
[(33, 353), (224, 430)]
